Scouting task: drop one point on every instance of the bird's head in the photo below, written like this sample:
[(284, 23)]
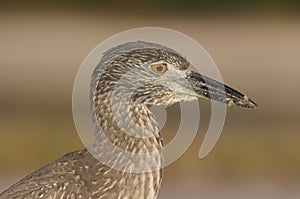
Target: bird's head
[(153, 74)]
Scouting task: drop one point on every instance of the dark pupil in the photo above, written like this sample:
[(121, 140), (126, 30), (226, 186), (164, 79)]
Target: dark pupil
[(159, 68)]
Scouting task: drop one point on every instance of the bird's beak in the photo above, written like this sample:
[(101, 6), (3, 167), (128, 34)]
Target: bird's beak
[(212, 89)]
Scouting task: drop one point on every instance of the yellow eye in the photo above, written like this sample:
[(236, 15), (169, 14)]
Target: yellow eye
[(159, 68)]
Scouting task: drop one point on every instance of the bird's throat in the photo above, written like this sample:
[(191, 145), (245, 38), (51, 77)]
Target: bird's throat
[(129, 129)]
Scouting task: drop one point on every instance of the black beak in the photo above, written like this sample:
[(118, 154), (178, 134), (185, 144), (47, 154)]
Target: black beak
[(212, 89)]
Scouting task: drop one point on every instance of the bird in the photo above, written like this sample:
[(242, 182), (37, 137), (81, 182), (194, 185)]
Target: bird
[(129, 79)]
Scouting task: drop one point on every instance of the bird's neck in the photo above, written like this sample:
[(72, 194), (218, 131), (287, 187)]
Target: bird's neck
[(126, 128)]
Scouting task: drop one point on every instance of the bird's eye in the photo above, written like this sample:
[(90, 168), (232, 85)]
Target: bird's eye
[(159, 68)]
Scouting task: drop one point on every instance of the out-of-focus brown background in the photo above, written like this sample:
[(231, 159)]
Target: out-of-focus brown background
[(256, 45)]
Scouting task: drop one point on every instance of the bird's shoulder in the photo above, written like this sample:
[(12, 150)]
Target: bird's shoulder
[(53, 180)]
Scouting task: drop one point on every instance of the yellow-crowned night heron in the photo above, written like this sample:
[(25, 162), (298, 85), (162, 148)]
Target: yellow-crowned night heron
[(150, 74)]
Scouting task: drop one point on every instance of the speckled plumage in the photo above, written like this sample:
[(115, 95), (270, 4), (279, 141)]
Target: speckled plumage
[(123, 87)]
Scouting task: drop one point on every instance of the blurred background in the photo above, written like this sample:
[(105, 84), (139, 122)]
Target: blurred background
[(256, 45)]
